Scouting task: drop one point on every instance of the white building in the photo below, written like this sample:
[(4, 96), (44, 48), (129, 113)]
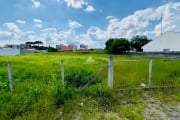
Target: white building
[(167, 42)]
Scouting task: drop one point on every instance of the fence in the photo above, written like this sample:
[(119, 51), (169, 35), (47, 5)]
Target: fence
[(25, 73), (147, 73), (33, 80), (127, 73)]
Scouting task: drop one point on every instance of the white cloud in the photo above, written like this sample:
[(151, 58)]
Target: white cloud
[(38, 23), (80, 4), (5, 35), (27, 33), (53, 36), (97, 33), (141, 22), (67, 36), (36, 4), (14, 30), (50, 34), (20, 21), (90, 8), (171, 19), (12, 27), (109, 17), (49, 30), (113, 20), (132, 24), (74, 24), (75, 3), (86, 39)]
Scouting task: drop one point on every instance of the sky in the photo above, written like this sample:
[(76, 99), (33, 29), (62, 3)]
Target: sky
[(90, 22)]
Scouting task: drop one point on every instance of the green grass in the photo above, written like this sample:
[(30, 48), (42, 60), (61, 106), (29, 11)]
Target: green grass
[(38, 92), (131, 74)]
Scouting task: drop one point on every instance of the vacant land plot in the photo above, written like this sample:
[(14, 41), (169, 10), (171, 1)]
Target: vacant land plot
[(38, 92)]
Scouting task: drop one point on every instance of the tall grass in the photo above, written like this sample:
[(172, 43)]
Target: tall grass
[(37, 83), (132, 73), (166, 72), (38, 89)]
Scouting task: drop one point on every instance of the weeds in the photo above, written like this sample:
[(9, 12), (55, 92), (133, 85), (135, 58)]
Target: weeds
[(38, 92)]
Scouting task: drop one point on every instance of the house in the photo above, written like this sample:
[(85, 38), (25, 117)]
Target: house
[(167, 42)]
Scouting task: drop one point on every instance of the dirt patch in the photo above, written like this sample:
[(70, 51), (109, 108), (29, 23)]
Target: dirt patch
[(156, 110)]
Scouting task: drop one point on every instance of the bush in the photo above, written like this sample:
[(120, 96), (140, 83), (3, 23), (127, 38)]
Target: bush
[(78, 78), (4, 85), (62, 95), (98, 90)]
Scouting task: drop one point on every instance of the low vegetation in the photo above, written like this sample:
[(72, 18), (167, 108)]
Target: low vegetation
[(38, 92)]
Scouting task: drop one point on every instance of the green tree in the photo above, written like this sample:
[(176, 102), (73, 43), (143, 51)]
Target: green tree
[(117, 46), (52, 49), (108, 45), (38, 43), (138, 41)]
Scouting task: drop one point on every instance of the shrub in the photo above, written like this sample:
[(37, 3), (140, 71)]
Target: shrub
[(4, 85), (98, 90), (61, 95), (78, 78)]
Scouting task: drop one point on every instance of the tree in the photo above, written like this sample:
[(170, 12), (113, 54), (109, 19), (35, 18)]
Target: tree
[(38, 43), (120, 46), (52, 49), (138, 41), (117, 46), (108, 45)]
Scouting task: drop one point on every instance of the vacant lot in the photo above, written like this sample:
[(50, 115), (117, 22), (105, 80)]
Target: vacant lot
[(38, 92)]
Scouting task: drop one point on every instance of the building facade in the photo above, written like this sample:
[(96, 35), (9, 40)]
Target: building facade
[(167, 42)]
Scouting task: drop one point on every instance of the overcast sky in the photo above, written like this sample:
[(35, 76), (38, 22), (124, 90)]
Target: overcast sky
[(89, 22)]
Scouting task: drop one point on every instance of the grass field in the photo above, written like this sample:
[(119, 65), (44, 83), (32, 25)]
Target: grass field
[(38, 92)]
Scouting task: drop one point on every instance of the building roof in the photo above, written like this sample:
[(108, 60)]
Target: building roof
[(169, 41)]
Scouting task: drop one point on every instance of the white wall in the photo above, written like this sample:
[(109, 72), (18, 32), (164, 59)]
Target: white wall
[(167, 41), (9, 51)]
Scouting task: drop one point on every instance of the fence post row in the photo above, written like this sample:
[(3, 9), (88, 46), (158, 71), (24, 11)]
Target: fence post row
[(150, 73), (9, 68), (62, 72), (110, 72)]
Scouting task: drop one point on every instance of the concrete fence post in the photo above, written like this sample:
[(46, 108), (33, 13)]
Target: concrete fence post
[(150, 73), (110, 72), (62, 72), (9, 68)]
